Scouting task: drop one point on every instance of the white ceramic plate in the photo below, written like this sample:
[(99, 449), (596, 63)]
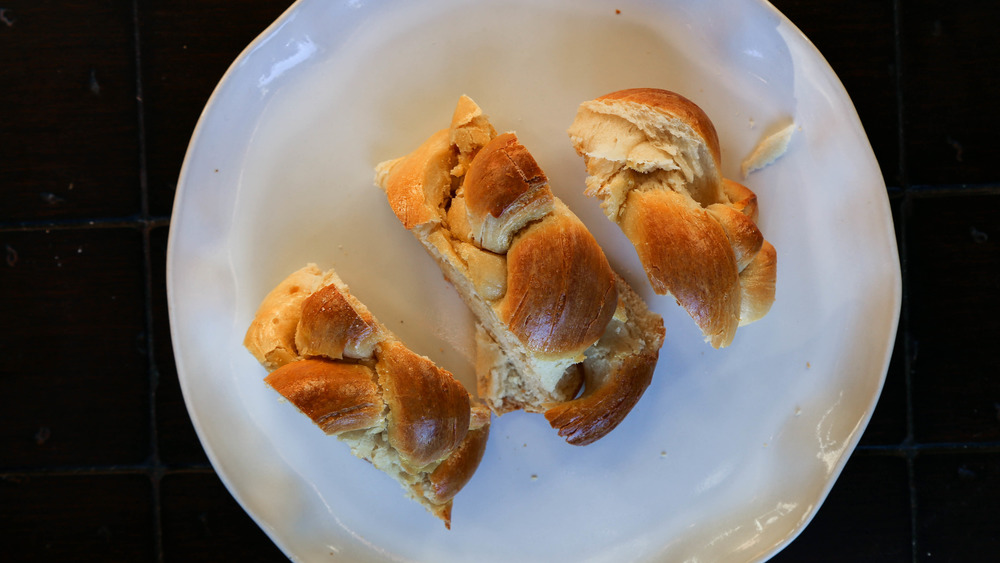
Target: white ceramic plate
[(727, 456)]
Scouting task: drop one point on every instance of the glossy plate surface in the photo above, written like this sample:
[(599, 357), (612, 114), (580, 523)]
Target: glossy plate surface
[(729, 453)]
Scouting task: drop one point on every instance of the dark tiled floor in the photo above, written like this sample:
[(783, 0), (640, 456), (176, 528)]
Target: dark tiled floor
[(74, 348), (91, 403), (954, 270), (201, 522), (950, 83), (53, 517), (48, 169), (957, 500), (185, 52)]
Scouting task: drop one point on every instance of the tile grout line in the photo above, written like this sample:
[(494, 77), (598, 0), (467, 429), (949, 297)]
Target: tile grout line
[(909, 446), (155, 467), (140, 468), (135, 221)]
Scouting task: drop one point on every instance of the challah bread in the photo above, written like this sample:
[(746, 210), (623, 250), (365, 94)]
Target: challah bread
[(349, 374), (553, 318), (653, 160)]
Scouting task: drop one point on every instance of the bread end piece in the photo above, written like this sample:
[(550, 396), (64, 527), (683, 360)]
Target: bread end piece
[(355, 380), (653, 161), (271, 335)]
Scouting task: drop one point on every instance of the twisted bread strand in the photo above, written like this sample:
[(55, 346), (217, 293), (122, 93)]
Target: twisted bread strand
[(539, 284), (351, 376), (653, 160)]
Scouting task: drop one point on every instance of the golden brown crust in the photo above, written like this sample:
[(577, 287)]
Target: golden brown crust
[(589, 417), (694, 231), (503, 190), (757, 284), (337, 396), (394, 407), (271, 335), (560, 288), (455, 472), (698, 267), (470, 130), (617, 374), (330, 326), (428, 408), (417, 183), (741, 198), (744, 237), (559, 294), (503, 172), (452, 474)]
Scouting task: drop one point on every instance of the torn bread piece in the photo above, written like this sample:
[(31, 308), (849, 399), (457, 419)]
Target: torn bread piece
[(559, 332), (353, 378), (768, 150), (653, 161)]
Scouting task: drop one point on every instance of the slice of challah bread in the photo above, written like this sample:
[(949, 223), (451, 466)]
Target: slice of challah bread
[(653, 160), (349, 374), (553, 318)]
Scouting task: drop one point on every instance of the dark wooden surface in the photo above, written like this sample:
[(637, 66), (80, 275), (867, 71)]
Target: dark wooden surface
[(98, 460)]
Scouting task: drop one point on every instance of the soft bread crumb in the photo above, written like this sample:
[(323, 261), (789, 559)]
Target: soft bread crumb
[(769, 149)]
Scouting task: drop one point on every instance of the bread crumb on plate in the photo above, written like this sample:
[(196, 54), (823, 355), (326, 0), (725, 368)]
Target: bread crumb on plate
[(769, 149)]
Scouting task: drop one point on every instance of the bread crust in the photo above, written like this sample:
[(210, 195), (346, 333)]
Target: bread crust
[(337, 396), (504, 174), (331, 326), (537, 329), (457, 469), (757, 284), (617, 374), (653, 160), (560, 288), (428, 409), (504, 190), (424, 181), (354, 379), (271, 335), (698, 267)]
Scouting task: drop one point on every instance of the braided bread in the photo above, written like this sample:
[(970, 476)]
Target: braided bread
[(553, 317), (653, 160), (338, 365)]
